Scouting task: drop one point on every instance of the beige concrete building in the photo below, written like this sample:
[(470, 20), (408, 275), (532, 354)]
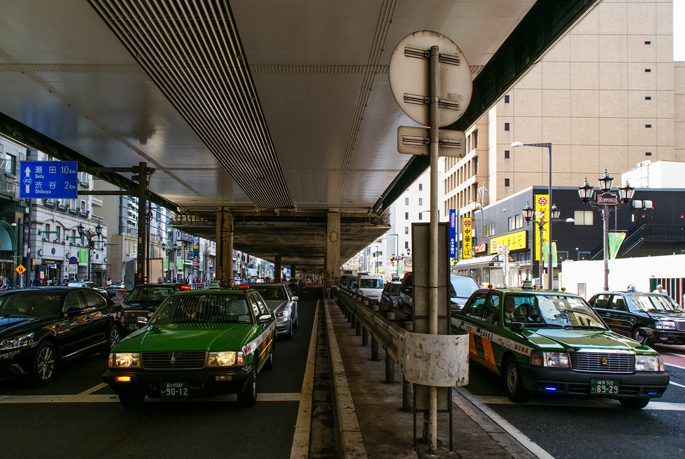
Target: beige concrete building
[(608, 95)]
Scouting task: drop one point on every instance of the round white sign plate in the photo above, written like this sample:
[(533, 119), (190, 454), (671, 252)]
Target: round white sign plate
[(409, 73)]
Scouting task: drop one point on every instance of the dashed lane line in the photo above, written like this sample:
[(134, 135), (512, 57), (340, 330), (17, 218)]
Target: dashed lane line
[(676, 384), (676, 366), (109, 398), (576, 403)]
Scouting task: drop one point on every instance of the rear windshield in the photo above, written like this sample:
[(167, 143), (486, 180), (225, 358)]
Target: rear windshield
[(370, 283), (270, 293), (45, 303), (207, 308), (149, 294), (394, 289)]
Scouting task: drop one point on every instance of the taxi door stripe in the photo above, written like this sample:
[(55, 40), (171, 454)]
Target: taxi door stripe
[(487, 350)]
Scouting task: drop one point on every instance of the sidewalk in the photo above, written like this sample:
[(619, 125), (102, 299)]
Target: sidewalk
[(386, 430)]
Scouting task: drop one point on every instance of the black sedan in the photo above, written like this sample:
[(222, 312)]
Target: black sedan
[(281, 301), (627, 312), (144, 300), (390, 294), (41, 326)]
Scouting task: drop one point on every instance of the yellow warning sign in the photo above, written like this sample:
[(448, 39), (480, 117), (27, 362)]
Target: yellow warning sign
[(20, 269)]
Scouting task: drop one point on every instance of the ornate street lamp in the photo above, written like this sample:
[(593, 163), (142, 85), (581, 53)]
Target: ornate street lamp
[(89, 234), (529, 215)]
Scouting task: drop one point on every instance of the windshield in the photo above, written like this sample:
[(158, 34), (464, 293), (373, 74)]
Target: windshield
[(394, 289), (552, 311), (152, 294), (463, 286), (370, 283), (656, 303), (203, 308), (46, 303), (270, 293)]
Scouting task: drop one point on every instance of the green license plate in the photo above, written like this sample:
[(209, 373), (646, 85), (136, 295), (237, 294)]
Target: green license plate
[(604, 386), (174, 389)]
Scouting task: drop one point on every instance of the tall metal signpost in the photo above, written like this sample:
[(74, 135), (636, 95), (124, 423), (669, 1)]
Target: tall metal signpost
[(431, 81)]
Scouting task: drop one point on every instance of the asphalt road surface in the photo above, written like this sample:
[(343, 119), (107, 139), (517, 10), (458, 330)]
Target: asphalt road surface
[(77, 416), (590, 428)]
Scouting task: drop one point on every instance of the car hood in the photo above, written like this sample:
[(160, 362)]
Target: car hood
[(188, 337), (277, 306), (666, 315), (562, 339), (16, 324), (142, 305)]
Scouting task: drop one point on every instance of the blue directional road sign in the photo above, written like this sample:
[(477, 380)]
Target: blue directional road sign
[(48, 180)]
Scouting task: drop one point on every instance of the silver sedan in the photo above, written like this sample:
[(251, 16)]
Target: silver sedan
[(281, 301)]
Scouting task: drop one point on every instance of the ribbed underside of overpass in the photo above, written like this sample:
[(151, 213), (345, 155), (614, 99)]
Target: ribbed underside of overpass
[(279, 112)]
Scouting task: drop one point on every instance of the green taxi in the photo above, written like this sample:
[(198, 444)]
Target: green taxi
[(199, 343), (553, 342)]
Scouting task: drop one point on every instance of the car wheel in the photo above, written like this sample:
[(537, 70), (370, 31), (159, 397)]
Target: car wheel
[(248, 397), (112, 339), (131, 400), (640, 339), (512, 376), (44, 363), (634, 403), (269, 364)]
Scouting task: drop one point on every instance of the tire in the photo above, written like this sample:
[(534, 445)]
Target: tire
[(248, 397), (44, 363), (640, 339), (289, 335), (634, 403), (269, 364), (131, 400), (113, 338), (512, 378)]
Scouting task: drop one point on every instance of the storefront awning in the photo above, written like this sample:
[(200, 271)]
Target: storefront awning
[(483, 262)]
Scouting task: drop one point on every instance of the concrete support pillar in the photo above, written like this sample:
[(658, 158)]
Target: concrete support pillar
[(293, 274), (224, 248), (332, 273), (277, 269)]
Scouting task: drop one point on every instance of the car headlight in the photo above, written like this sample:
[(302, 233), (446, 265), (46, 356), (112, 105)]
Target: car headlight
[(665, 325), (649, 363), (17, 342), (225, 359), (549, 359), (124, 360)]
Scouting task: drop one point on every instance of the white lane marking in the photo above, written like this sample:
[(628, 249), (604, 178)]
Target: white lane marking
[(92, 389), (499, 420), (676, 366), (104, 398), (300, 448), (600, 403), (671, 353), (676, 384)]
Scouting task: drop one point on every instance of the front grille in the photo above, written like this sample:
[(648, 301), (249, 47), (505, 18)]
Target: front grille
[(173, 360), (132, 316), (680, 325), (592, 361)]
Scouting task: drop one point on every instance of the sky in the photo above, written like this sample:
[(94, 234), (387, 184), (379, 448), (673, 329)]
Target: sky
[(679, 30)]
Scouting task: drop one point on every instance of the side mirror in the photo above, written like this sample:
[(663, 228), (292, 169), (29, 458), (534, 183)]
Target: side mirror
[(264, 318), (142, 320), (645, 332), (295, 298), (517, 327)]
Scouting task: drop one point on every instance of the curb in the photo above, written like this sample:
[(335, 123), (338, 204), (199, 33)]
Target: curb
[(349, 434)]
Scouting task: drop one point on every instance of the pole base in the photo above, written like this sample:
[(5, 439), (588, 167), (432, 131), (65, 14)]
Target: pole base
[(422, 450)]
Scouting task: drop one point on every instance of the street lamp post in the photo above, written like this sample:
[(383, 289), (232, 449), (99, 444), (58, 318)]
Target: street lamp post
[(529, 214), (89, 234), (606, 202), (550, 273)]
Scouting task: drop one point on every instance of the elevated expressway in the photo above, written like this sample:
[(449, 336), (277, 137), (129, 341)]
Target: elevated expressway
[(276, 113)]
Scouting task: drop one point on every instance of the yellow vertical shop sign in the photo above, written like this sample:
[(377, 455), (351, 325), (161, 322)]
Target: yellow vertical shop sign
[(466, 238), (541, 209)]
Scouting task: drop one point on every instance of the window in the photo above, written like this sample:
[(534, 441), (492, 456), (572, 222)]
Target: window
[(406, 201), (506, 99), (47, 232), (93, 300), (475, 138), (648, 42), (420, 186), (506, 126), (506, 154), (58, 233), (406, 244), (648, 70), (475, 165), (519, 221), (406, 215), (83, 207), (11, 165), (420, 215), (420, 201), (648, 126), (506, 182), (406, 230), (512, 223), (648, 97), (583, 217), (648, 153), (583, 255)]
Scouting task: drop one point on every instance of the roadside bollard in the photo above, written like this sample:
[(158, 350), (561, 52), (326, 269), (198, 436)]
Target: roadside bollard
[(389, 362), (365, 337), (366, 302), (374, 349), (375, 308), (407, 388)]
